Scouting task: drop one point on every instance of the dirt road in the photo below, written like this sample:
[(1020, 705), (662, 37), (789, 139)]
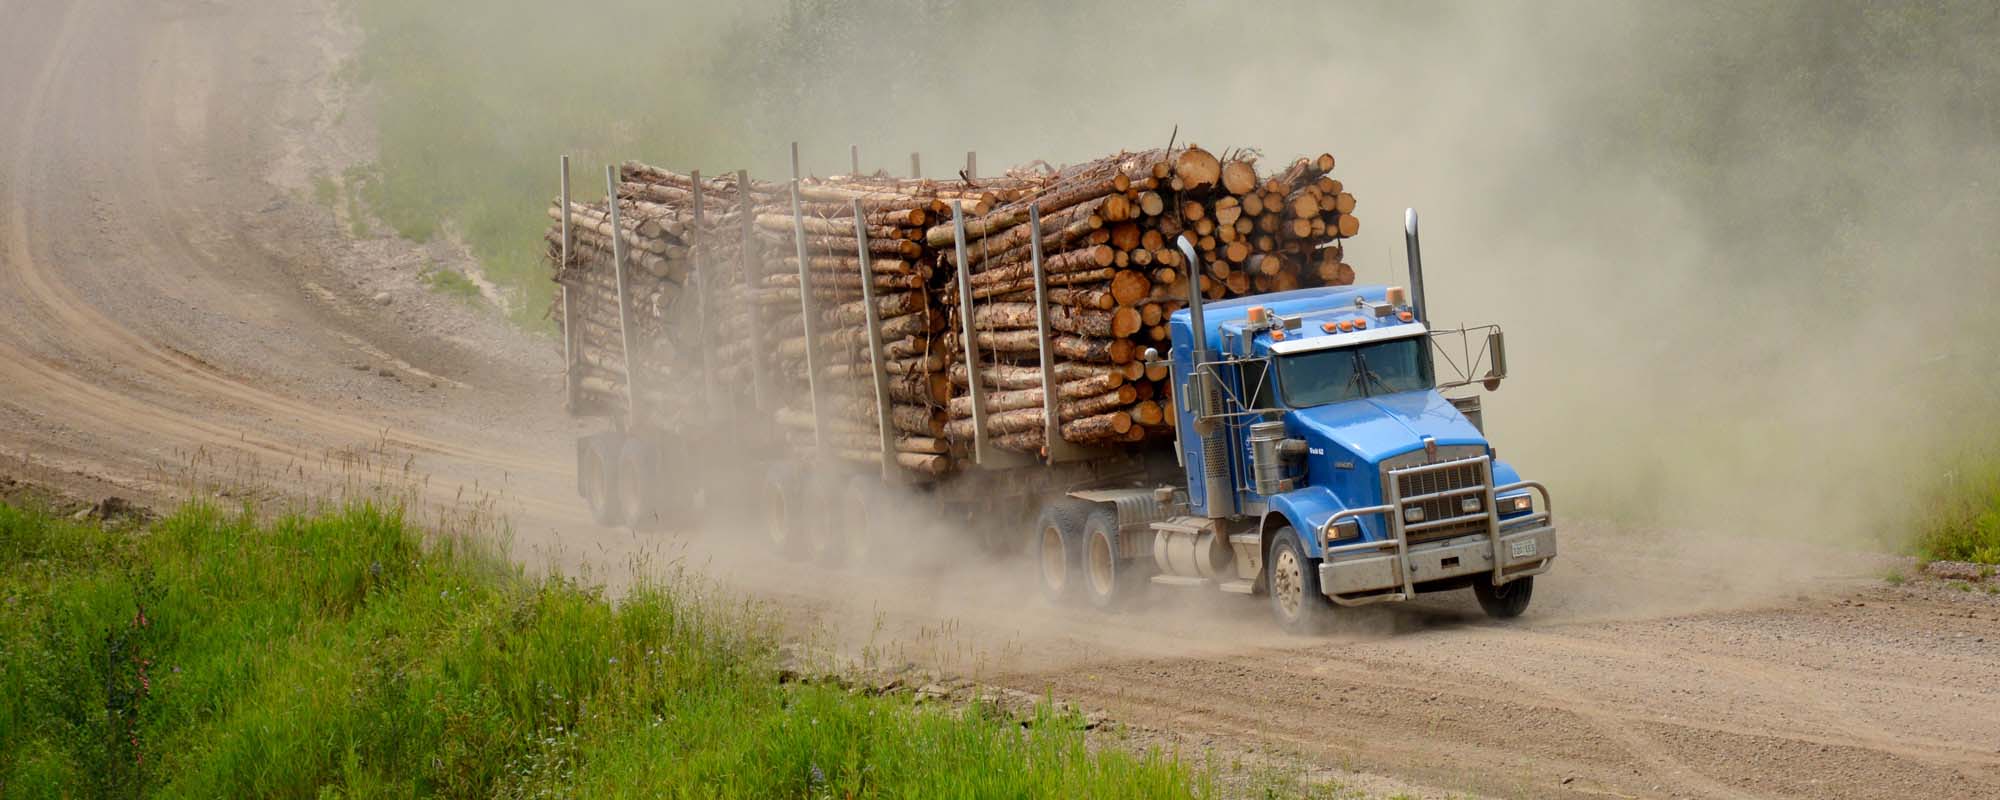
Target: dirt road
[(173, 302)]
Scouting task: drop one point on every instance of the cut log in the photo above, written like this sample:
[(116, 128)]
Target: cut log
[(1197, 170)]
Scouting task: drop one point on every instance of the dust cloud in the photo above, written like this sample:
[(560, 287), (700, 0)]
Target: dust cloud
[(1744, 252)]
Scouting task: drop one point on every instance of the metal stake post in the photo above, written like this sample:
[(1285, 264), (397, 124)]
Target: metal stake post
[(916, 166), (970, 331), (971, 164), (1054, 447), (854, 157), (806, 309), (703, 303), (624, 302), (568, 317), (875, 355), (760, 388)]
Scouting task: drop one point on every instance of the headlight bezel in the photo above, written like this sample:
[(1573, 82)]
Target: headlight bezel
[(1344, 530), (1510, 505)]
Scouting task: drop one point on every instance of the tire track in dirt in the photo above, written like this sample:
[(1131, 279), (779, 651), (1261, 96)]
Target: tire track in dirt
[(160, 221)]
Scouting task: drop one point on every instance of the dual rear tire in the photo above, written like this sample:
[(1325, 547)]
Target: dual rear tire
[(808, 518), (625, 483), (1077, 556)]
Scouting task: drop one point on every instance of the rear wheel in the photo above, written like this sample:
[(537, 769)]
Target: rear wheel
[(596, 475), (1293, 580), (1110, 581), (637, 480), (1507, 600), (1058, 549), (850, 535), (781, 513)]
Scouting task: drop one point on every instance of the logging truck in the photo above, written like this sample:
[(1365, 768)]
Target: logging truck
[(1326, 444)]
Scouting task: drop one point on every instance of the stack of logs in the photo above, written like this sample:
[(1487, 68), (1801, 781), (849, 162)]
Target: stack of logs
[(713, 274)]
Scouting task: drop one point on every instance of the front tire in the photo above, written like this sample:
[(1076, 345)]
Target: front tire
[(1507, 600), (1293, 582), (1059, 549)]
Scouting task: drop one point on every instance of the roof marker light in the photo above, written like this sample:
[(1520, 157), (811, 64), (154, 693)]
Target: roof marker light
[(1398, 297), (1405, 316), (1256, 315), (1346, 325), (1360, 324), (1327, 326), (1277, 336)]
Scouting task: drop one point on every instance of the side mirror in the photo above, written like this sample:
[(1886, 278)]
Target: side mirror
[(1496, 359)]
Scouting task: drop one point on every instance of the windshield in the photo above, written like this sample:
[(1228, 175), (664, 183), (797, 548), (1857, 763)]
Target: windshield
[(1332, 376)]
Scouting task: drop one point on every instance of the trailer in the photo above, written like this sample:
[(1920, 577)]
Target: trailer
[(1318, 457)]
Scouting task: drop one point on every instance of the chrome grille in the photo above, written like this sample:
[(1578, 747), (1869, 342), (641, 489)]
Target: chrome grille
[(1444, 478)]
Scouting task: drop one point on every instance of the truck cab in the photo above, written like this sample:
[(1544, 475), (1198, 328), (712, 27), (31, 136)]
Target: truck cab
[(1319, 444)]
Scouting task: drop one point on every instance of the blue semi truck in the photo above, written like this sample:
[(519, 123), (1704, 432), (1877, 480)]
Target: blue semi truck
[(1321, 465), (1328, 450)]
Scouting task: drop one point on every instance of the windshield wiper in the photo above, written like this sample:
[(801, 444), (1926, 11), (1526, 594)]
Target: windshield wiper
[(1363, 375)]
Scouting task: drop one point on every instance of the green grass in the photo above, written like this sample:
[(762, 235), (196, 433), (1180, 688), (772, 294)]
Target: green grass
[(1963, 523), (451, 282), (325, 191), (345, 655), (472, 112)]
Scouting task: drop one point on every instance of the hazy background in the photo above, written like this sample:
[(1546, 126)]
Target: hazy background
[(1744, 252)]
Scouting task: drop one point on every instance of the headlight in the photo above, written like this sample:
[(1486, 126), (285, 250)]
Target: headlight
[(1468, 505), (1413, 514), (1517, 503), (1345, 529)]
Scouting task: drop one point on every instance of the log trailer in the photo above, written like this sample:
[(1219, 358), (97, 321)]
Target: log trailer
[(1326, 453)]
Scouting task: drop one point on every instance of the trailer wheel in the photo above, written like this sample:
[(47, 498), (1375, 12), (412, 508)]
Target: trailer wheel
[(859, 523), (1059, 549), (637, 480), (781, 512), (1507, 600), (596, 475), (1293, 581), (1109, 581)]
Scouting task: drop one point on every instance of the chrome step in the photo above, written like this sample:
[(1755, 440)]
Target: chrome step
[(1237, 587), (1179, 580)]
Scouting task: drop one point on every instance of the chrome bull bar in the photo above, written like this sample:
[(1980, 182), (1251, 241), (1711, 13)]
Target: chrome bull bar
[(1399, 529)]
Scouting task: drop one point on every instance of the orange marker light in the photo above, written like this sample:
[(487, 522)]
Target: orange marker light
[(1277, 336), (1346, 325), (1405, 316), (1256, 314), (1328, 327), (1360, 323)]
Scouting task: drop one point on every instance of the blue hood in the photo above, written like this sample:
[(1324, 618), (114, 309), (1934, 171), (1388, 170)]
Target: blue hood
[(1376, 428)]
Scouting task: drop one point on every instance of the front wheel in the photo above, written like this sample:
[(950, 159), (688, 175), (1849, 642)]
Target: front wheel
[(1507, 600), (1293, 580)]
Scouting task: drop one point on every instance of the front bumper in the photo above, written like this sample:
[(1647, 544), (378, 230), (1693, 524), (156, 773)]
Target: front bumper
[(1522, 552), (1391, 568)]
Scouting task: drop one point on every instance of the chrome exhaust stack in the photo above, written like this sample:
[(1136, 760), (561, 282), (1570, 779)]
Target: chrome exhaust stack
[(1205, 399), (1416, 265)]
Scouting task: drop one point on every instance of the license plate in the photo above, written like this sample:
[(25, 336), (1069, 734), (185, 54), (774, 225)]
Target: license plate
[(1521, 549)]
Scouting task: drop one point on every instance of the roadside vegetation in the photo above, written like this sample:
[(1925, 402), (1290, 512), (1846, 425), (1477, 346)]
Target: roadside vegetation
[(345, 654), (1963, 521), (472, 111)]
